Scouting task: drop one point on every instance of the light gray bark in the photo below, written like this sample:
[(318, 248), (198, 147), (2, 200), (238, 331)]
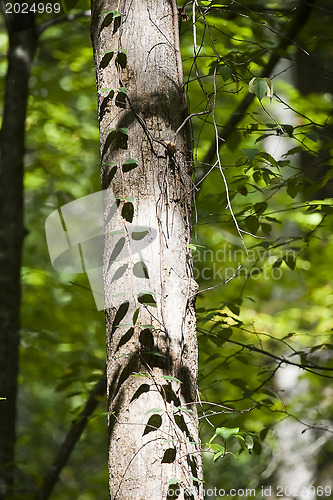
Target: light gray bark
[(151, 253)]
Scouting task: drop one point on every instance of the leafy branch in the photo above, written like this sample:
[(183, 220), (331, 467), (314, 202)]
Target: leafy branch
[(303, 12)]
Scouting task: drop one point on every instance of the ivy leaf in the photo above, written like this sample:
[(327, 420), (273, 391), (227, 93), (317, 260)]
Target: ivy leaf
[(225, 72), (245, 440), (147, 299), (114, 13), (252, 223), (219, 454), (174, 480), (260, 207), (192, 246)]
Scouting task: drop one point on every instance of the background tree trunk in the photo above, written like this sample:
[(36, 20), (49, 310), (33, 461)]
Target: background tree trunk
[(22, 47), (151, 331)]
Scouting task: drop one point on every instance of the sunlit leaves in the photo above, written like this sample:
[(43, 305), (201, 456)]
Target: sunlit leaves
[(261, 87)]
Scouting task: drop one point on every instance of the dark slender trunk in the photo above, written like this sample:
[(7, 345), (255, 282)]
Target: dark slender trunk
[(22, 46)]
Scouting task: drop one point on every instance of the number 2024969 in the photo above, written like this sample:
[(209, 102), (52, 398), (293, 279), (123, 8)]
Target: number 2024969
[(40, 8)]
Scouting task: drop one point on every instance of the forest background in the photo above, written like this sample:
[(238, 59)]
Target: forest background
[(265, 328)]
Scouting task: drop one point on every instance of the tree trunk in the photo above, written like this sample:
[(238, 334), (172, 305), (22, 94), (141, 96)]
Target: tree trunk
[(148, 284), (22, 46)]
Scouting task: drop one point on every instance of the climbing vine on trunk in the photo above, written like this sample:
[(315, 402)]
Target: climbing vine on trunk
[(149, 290)]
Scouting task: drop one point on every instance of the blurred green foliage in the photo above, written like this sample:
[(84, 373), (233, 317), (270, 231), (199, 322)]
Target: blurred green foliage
[(278, 168)]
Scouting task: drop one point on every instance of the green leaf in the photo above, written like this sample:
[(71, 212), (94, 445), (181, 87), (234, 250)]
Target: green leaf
[(147, 299), (216, 447), (222, 337), (260, 87), (252, 224), (122, 130), (101, 91), (115, 13), (245, 440), (313, 136), (269, 92), (195, 479), (293, 187), (260, 207), (174, 480), (226, 432), (269, 158), (155, 410), (195, 247), (234, 308), (146, 325), (290, 260), (182, 408), (140, 375), (109, 51), (218, 455), (130, 161), (263, 433), (250, 153), (170, 377), (267, 228), (289, 129), (225, 71)]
